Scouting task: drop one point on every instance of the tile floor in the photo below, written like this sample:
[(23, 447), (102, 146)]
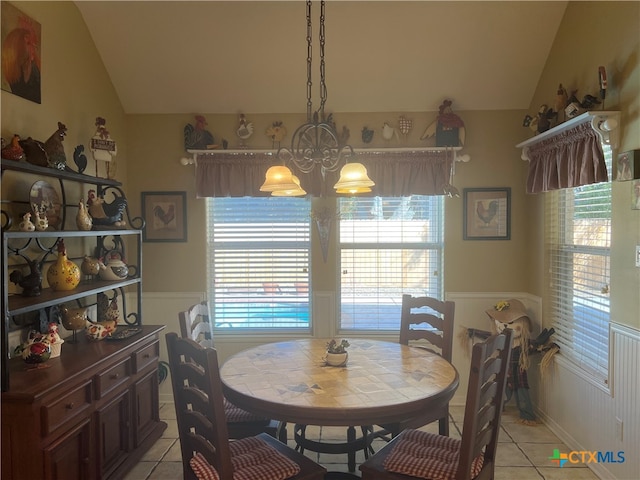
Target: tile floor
[(523, 452)]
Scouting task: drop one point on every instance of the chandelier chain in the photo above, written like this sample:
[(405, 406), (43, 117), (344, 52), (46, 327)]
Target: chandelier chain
[(323, 84), (309, 60)]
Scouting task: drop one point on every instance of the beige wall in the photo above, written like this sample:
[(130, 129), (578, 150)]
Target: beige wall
[(156, 145), (574, 60)]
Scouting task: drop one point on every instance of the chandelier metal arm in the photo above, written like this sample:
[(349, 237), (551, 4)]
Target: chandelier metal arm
[(316, 143)]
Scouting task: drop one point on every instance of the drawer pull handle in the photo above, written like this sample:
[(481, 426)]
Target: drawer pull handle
[(115, 376), (69, 406), (146, 355)]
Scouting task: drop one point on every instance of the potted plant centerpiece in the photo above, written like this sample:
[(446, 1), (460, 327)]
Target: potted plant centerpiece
[(337, 353)]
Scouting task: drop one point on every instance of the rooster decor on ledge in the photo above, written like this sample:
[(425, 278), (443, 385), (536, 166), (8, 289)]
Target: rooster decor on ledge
[(196, 137)]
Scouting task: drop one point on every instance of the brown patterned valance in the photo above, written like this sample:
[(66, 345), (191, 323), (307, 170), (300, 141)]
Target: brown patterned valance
[(571, 158), (238, 174)]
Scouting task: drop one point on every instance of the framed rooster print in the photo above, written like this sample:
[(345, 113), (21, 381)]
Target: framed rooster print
[(487, 214), (165, 216)]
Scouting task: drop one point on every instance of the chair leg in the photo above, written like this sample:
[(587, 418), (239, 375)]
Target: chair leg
[(443, 424), (351, 455), (282, 432)]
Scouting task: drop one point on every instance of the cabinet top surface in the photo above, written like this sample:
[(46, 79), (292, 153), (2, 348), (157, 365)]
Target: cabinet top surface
[(77, 362)]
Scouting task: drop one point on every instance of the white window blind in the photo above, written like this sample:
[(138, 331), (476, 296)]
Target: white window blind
[(388, 246), (258, 262), (578, 238)]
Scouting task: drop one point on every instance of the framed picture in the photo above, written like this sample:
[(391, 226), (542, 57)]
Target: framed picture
[(487, 214), (165, 215), (21, 45)]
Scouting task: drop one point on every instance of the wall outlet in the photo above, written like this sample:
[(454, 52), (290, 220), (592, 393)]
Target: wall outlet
[(637, 255), (619, 429)]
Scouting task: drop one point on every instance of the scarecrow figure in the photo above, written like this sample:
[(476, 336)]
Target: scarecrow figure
[(512, 314)]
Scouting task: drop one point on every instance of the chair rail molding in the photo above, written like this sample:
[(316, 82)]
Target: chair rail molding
[(605, 123)]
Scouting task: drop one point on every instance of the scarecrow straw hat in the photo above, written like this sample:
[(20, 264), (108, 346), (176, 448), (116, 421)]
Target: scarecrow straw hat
[(513, 309)]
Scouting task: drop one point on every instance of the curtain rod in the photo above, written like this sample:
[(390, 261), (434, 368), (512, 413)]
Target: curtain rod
[(195, 153)]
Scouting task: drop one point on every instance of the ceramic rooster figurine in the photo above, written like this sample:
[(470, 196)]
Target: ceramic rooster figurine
[(83, 219), (13, 151), (55, 149), (106, 213)]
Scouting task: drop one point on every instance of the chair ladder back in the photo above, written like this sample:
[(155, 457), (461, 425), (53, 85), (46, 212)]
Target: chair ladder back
[(443, 338), (485, 398), (196, 325), (197, 393)]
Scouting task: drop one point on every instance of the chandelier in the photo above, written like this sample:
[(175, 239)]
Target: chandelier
[(315, 144)]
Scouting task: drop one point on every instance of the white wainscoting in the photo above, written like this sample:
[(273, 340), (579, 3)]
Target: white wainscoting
[(161, 308), (585, 417)]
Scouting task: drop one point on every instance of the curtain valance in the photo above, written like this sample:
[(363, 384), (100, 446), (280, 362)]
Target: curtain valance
[(568, 159), (238, 174)]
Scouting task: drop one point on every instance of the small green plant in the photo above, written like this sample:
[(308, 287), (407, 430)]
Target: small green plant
[(335, 347)]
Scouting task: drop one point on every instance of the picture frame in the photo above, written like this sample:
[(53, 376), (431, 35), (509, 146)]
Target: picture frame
[(165, 215), (487, 213), (21, 33)]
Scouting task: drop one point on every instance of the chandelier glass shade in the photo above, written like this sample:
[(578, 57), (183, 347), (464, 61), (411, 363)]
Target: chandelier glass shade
[(315, 144)]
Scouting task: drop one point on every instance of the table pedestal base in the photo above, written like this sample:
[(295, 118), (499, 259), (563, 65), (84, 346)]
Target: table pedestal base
[(350, 447)]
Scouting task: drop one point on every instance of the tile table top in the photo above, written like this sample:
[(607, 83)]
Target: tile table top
[(382, 382)]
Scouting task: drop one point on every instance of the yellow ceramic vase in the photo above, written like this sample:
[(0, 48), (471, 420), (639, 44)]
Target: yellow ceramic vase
[(64, 274)]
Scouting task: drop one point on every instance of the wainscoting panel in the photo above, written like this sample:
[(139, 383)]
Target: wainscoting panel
[(161, 308), (586, 417)]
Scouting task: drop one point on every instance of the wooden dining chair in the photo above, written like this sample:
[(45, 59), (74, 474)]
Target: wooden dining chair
[(195, 325), (418, 454), (430, 328), (206, 450)]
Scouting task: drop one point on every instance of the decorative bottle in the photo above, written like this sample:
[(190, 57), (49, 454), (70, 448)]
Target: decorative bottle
[(63, 274)]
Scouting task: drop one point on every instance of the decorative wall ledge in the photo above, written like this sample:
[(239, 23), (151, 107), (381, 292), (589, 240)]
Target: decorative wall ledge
[(606, 124)]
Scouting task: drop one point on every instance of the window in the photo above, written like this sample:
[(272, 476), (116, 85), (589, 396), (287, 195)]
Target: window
[(388, 246), (258, 262), (578, 231)]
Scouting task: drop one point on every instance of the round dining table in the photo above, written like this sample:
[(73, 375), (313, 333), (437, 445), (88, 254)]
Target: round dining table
[(382, 382)]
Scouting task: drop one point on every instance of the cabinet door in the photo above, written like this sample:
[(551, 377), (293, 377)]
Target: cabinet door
[(71, 457), (146, 406), (114, 433)]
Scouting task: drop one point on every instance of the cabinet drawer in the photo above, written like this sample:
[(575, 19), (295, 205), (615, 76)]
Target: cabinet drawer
[(66, 409), (146, 356), (113, 377)]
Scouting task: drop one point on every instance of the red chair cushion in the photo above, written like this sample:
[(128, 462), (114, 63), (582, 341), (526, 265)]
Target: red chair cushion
[(252, 459), (237, 415), (426, 455)]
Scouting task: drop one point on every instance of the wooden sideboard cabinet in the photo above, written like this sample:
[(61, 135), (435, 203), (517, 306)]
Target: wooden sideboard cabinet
[(89, 414)]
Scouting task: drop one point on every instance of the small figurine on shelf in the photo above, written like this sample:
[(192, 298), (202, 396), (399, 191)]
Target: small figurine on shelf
[(83, 219), (13, 151), (106, 213), (36, 349), (30, 283), (73, 319), (55, 149), (103, 147), (54, 339), (79, 158), (63, 274), (90, 266), (41, 220), (26, 225)]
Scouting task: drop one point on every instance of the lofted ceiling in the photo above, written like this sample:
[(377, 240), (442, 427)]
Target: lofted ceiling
[(381, 56)]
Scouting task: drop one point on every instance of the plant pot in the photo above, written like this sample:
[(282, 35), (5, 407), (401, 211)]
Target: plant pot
[(337, 359)]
